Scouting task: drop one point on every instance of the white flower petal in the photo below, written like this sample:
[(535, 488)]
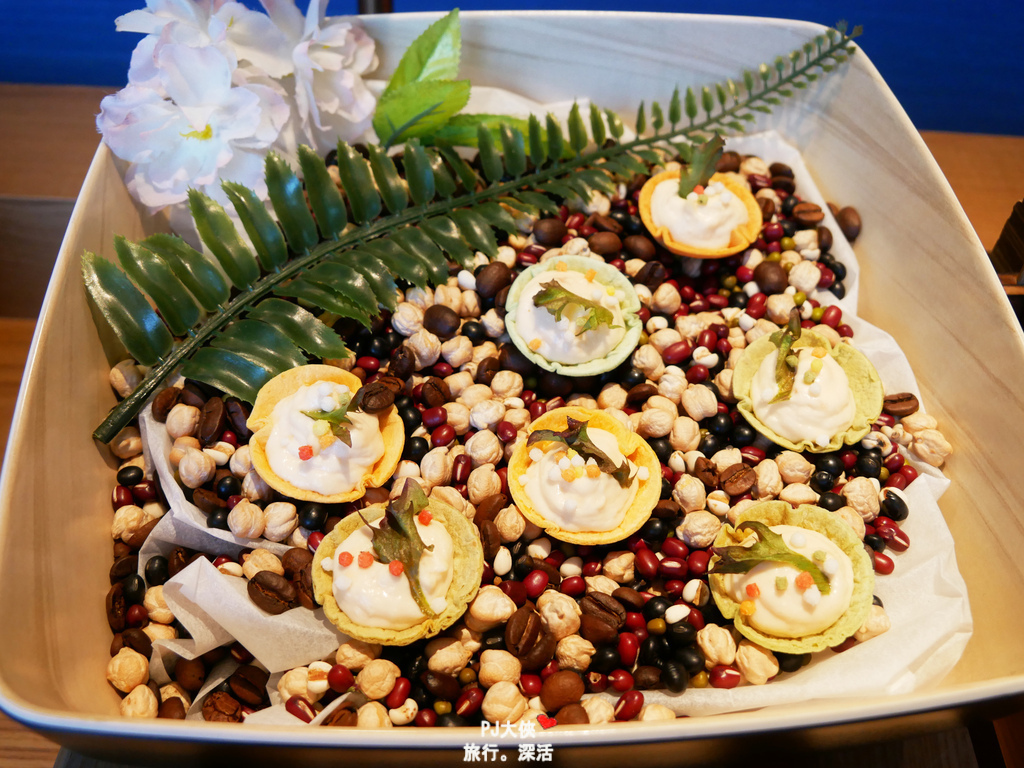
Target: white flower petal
[(194, 76)]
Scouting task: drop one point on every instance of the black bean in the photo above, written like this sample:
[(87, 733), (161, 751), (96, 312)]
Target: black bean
[(822, 481), (720, 424), (831, 501), (312, 516), (894, 507), (228, 486), (134, 589), (130, 475), (415, 449), (156, 568), (655, 608)]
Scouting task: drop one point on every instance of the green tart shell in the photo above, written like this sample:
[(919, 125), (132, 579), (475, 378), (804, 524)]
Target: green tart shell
[(606, 275)]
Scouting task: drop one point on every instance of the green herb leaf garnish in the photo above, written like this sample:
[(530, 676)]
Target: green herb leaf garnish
[(702, 165), (556, 299), (770, 548), (575, 436), (338, 419), (397, 538), (785, 369)]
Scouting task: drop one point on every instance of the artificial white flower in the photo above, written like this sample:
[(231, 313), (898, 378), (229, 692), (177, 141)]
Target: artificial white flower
[(195, 130)]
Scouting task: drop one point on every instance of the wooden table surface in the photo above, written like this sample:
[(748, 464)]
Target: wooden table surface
[(48, 139)]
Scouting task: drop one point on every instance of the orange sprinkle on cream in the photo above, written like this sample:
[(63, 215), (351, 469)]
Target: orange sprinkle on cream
[(591, 274), (753, 591), (561, 266), (534, 344), (305, 452), (395, 567), (804, 581), (345, 559), (819, 352), (365, 559), (568, 475), (425, 517), (747, 607), (593, 470)]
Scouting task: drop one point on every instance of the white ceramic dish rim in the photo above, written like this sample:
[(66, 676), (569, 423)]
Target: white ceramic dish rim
[(815, 714)]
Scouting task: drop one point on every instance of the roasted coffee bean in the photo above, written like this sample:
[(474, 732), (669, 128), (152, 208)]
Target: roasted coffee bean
[(249, 684), (522, 631), (123, 566), (344, 716), (238, 414), (562, 688), (666, 509), (271, 592), (490, 538), (729, 162), (375, 397), (639, 247), (500, 299), (652, 274), (767, 208), (901, 404), (212, 421), (737, 479), (138, 537), (706, 472), (294, 560), (572, 714), (541, 653), (486, 370), (489, 508), (784, 184), (603, 223), (629, 598), (495, 276), (171, 709), (221, 707), (511, 359), (780, 169), (165, 400), (604, 607), (402, 363), (824, 239), (444, 687), (191, 395), (190, 674), (435, 392), (117, 608), (121, 549), (808, 215), (443, 321), (849, 222), (647, 677), (597, 631), (303, 584), (641, 393), (604, 243), (548, 232), (177, 561), (208, 501), (138, 641), (771, 277)]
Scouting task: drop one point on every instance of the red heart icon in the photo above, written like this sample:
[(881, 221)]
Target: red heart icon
[(546, 722)]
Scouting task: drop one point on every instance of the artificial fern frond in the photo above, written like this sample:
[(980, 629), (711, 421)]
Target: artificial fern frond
[(328, 247)]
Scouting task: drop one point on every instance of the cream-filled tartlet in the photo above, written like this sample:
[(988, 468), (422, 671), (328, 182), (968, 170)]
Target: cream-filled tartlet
[(711, 222), (793, 580), (395, 573), (311, 441), (573, 315), (583, 477), (802, 393)]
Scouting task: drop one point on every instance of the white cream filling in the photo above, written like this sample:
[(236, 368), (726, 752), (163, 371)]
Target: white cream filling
[(790, 612), (704, 225), (586, 503), (815, 412), (374, 597), (334, 469), (558, 340)]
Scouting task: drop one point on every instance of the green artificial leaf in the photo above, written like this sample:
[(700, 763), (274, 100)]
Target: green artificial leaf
[(434, 55), (418, 109), (461, 130), (769, 548), (575, 436), (397, 538), (266, 236), (701, 165), (785, 371), (556, 299), (338, 418), (198, 274)]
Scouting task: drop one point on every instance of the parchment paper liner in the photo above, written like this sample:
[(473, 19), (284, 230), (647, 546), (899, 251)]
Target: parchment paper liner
[(864, 383), (831, 527), (289, 382), (606, 275), (741, 238), (632, 446), (468, 568)]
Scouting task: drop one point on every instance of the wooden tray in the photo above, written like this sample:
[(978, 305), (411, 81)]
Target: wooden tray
[(925, 279)]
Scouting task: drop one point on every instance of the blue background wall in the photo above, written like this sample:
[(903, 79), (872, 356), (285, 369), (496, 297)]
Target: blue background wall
[(956, 66)]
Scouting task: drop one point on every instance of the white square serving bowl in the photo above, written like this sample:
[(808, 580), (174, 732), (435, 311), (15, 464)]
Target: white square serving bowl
[(925, 279)]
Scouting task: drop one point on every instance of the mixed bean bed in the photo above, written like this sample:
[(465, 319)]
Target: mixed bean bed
[(553, 621)]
